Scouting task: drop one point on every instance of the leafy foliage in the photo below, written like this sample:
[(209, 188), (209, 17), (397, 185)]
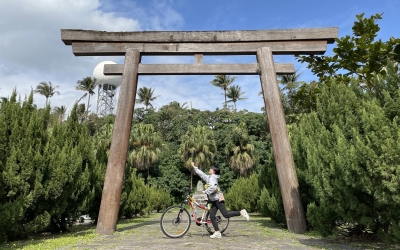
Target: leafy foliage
[(47, 90), (197, 146), (243, 157), (87, 84), (135, 196), (358, 55), (270, 203), (146, 96), (244, 194), (223, 82), (41, 167), (234, 94), (146, 146), (348, 154)]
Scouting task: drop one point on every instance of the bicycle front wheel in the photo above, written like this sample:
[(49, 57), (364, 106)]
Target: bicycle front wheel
[(221, 220), (175, 222)]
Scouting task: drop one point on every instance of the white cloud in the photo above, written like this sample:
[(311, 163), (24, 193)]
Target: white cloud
[(32, 50)]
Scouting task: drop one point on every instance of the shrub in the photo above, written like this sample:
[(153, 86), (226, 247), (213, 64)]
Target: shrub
[(243, 194)]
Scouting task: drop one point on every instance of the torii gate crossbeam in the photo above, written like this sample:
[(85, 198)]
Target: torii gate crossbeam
[(262, 43)]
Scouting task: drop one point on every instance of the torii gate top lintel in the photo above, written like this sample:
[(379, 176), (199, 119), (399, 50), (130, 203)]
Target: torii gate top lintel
[(234, 42), (70, 35)]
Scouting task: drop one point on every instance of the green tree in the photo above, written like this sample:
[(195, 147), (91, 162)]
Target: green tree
[(71, 163), (159, 199), (359, 55), (197, 146), (347, 154), (170, 174), (243, 157), (146, 96), (234, 94), (41, 166), (135, 196), (103, 137), (87, 84), (223, 82), (60, 112), (270, 203), (177, 105), (290, 85), (244, 194), (47, 90), (146, 145)]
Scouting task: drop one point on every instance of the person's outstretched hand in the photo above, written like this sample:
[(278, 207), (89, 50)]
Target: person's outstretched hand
[(192, 164)]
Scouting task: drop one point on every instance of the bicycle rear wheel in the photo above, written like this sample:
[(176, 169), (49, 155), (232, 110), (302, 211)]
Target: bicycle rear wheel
[(174, 222), (221, 220)]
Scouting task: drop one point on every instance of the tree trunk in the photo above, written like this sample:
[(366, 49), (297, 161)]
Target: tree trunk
[(148, 174), (191, 179), (225, 100), (87, 109)]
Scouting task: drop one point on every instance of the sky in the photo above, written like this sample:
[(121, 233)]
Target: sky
[(31, 50)]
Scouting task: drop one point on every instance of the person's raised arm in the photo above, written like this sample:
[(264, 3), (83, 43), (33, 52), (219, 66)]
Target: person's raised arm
[(200, 173)]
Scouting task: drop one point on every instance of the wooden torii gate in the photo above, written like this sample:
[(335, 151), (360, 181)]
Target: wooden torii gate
[(262, 43)]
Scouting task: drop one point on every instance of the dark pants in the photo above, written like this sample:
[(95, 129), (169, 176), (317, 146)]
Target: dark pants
[(215, 205)]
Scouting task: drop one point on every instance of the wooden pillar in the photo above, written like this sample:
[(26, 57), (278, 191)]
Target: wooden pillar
[(198, 58), (295, 217), (111, 196)]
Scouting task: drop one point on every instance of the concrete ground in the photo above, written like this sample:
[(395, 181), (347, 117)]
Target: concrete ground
[(258, 233)]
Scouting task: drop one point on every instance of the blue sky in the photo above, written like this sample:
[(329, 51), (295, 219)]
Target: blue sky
[(31, 50)]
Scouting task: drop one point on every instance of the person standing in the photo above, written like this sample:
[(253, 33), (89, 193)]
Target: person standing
[(215, 195)]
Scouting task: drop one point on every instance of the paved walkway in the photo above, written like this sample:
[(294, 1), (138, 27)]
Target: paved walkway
[(258, 233)]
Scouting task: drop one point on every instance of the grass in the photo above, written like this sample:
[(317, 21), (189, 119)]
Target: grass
[(78, 234)]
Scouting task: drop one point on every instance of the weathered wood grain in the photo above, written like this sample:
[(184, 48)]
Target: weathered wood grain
[(277, 47), (198, 58), (328, 34), (295, 217), (111, 195), (198, 69)]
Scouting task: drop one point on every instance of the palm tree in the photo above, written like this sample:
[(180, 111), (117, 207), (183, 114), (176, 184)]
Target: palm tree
[(223, 81), (146, 146), (198, 146), (235, 95), (291, 82), (60, 112), (103, 137), (145, 97), (87, 84), (243, 157), (177, 105), (46, 89)]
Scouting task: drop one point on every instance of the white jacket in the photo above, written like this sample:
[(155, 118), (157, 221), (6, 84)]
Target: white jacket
[(212, 180)]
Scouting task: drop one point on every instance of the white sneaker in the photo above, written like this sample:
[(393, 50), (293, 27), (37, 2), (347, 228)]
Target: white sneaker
[(216, 235), (245, 214)]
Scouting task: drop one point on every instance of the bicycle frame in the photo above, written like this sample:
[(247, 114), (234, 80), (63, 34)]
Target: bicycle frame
[(192, 203)]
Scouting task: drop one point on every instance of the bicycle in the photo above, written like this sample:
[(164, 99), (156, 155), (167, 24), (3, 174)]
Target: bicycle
[(175, 221)]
